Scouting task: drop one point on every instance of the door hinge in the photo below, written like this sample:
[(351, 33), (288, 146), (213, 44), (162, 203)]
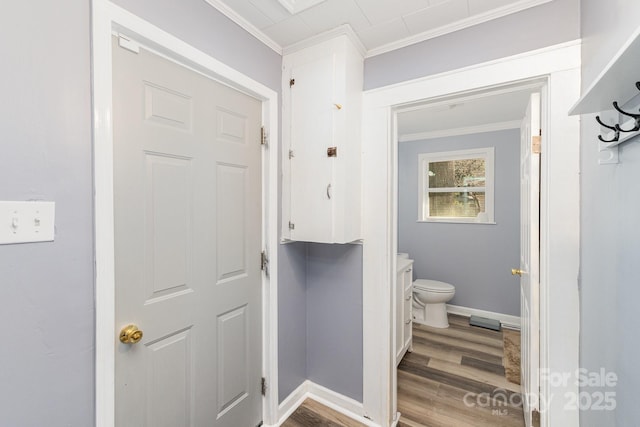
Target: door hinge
[(263, 386), (264, 138), (292, 226), (264, 262), (291, 155), (536, 144), (127, 43), (292, 82)]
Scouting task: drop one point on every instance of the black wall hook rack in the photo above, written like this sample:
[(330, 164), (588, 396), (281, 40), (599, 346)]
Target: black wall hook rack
[(616, 128), (613, 128)]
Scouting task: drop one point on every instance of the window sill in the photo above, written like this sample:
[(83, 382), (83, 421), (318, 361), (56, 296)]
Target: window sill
[(457, 221)]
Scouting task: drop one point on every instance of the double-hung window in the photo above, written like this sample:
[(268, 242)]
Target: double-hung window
[(456, 186)]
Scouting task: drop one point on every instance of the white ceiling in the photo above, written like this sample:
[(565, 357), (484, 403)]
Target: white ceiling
[(381, 25), (462, 116)]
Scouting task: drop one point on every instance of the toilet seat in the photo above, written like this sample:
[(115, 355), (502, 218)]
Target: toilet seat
[(433, 286)]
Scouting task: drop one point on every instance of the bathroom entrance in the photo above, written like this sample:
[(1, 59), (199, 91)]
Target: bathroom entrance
[(558, 69), (467, 229)]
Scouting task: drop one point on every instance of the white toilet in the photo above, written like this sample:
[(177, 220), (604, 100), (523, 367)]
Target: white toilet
[(429, 302)]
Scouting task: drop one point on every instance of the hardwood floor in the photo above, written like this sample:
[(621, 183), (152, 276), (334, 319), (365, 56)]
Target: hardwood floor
[(312, 413), (453, 378)]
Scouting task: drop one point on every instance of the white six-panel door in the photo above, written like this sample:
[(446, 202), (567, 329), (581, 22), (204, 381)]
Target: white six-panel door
[(530, 258), (187, 195)]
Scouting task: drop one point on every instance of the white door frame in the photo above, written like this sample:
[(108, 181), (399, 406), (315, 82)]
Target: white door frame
[(559, 316), (108, 19)]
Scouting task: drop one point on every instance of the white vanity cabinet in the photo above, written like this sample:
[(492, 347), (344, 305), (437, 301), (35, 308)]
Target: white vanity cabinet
[(321, 121), (403, 307)]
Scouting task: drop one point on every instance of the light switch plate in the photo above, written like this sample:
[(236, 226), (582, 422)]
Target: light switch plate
[(26, 222)]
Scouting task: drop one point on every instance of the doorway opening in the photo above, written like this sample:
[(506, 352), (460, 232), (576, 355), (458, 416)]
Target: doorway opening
[(559, 67), (460, 227)]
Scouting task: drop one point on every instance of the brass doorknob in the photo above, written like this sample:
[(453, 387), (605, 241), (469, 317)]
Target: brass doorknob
[(130, 334), (516, 272)]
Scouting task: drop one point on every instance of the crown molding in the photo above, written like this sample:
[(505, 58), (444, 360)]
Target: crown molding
[(347, 30), (244, 24), (456, 26), (469, 130), (344, 29)]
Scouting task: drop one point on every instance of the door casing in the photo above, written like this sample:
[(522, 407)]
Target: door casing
[(559, 67), (108, 19)]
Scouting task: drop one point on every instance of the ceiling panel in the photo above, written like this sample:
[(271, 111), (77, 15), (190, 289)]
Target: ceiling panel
[(437, 16), (289, 31), (252, 14), (384, 33), (334, 13), (480, 6), (379, 12), (270, 8)]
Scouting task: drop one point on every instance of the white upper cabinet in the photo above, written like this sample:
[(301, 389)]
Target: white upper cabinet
[(321, 120)]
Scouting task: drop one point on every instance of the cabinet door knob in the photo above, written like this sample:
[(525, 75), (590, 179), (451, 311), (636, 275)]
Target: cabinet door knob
[(329, 191), (338, 106)]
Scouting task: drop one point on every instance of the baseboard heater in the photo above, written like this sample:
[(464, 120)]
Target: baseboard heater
[(483, 322)]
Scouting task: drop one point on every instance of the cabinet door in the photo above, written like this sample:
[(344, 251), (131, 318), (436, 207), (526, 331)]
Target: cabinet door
[(407, 318), (408, 307), (311, 134), (399, 323)]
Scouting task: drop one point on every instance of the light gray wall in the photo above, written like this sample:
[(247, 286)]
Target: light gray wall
[(475, 258), (538, 27), (334, 317), (292, 322), (202, 26), (47, 289), (610, 236)]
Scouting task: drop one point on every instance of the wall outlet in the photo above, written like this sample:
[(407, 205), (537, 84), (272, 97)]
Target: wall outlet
[(26, 222)]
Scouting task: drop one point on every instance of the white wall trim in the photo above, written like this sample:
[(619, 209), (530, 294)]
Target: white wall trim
[(245, 24), (292, 402), (329, 398), (469, 130), (506, 320), (559, 66), (106, 18), (562, 54), (457, 26)]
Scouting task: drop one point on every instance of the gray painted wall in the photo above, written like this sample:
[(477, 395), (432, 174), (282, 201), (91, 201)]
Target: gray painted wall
[(292, 322), (475, 258), (535, 28), (47, 289), (610, 236), (203, 27), (334, 317), (320, 325)]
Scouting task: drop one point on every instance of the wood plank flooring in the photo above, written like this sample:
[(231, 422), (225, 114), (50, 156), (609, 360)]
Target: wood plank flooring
[(312, 413), (453, 378)]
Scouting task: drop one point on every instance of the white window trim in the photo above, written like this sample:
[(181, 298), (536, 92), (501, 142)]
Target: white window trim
[(486, 153)]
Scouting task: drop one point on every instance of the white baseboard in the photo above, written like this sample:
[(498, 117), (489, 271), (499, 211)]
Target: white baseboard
[(336, 401), (291, 403), (506, 320)]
